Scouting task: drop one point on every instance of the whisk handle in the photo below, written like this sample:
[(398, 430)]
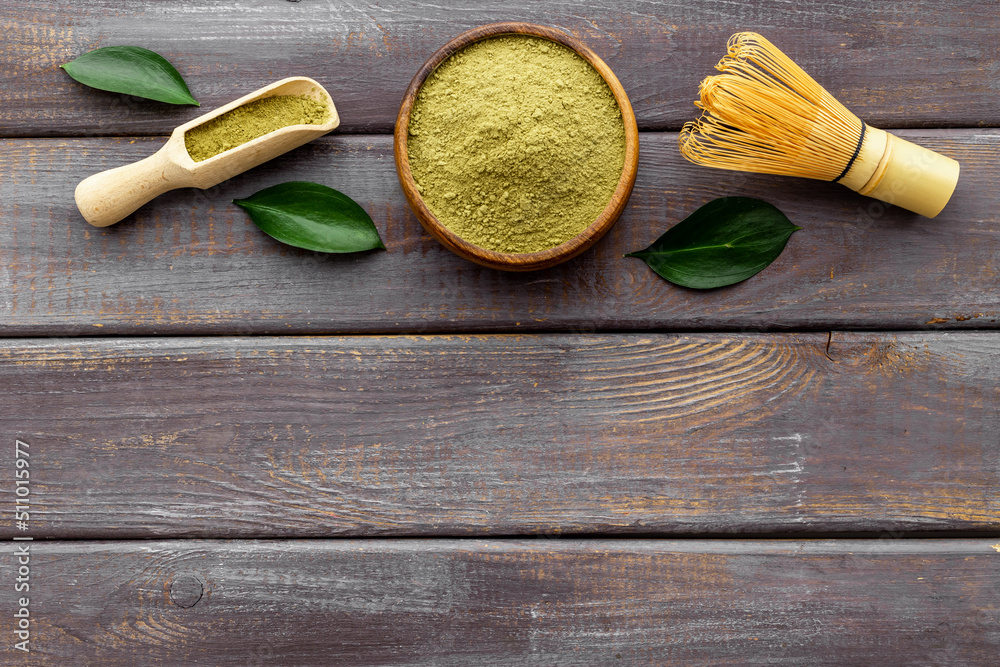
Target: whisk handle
[(899, 172)]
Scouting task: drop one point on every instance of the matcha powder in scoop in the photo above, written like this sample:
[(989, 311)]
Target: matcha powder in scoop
[(516, 143)]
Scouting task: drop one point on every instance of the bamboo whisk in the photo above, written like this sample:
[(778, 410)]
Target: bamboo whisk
[(765, 114)]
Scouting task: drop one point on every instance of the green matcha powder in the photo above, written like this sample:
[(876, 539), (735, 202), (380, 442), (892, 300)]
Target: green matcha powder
[(251, 120), (516, 143)]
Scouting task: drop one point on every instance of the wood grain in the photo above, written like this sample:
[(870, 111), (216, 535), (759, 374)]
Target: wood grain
[(930, 63), (469, 602), (492, 436), (191, 262), (501, 435)]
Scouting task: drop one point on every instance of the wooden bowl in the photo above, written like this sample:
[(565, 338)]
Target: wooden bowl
[(522, 261)]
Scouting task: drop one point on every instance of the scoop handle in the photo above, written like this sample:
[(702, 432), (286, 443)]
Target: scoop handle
[(110, 196)]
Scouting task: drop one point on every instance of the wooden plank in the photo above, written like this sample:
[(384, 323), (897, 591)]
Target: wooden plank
[(191, 262), (416, 602), (501, 435), (914, 64)]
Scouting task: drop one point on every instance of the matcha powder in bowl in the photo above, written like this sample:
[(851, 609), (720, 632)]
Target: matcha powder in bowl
[(516, 143)]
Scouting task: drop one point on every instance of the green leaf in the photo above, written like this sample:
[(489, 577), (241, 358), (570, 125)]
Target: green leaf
[(725, 241), (132, 70), (312, 216)]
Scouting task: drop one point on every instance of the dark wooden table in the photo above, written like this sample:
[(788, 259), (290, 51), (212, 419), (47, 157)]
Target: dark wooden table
[(242, 453)]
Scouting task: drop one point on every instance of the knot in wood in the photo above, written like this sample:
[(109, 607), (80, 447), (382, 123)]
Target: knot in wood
[(186, 590)]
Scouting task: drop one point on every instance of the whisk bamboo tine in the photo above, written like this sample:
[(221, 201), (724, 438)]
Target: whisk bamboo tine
[(764, 114)]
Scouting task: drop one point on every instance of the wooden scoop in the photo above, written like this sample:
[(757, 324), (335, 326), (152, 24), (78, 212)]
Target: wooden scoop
[(110, 196)]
